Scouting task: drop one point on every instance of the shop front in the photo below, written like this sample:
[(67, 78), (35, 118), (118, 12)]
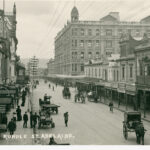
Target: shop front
[(108, 92), (131, 96), (100, 90), (121, 94), (114, 87), (143, 98)]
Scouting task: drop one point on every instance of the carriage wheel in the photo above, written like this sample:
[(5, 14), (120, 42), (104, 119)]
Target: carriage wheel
[(125, 132)]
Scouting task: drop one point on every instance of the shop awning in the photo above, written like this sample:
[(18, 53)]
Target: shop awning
[(2, 108), (5, 100), (11, 91)]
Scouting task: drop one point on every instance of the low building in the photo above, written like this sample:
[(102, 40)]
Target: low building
[(142, 59), (127, 83), (33, 66), (20, 73)]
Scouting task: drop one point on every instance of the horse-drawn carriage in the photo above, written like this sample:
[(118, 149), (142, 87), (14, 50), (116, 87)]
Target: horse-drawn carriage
[(132, 123), (66, 93), (45, 101), (80, 97), (45, 119), (92, 96), (50, 108)]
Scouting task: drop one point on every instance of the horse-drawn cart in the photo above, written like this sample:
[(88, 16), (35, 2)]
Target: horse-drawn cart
[(51, 108), (66, 93), (45, 120), (45, 101), (132, 123)]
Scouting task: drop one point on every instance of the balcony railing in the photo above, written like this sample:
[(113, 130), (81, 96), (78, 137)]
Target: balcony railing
[(144, 80)]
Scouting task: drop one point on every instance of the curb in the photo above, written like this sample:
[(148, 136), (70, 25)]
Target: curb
[(124, 111)]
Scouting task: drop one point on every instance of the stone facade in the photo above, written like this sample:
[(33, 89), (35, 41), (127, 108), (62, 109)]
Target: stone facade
[(80, 41), (51, 68), (8, 42)]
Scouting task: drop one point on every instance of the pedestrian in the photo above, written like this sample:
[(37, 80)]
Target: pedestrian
[(14, 117), (11, 127), (49, 85), (19, 117), (31, 119), (52, 141), (25, 119), (35, 119), (17, 100), (66, 115), (23, 97), (45, 97), (111, 106), (53, 88)]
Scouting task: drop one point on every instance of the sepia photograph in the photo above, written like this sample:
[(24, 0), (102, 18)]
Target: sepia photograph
[(75, 73)]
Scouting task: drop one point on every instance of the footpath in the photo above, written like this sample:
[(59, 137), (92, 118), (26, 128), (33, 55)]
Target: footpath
[(22, 136), (122, 108)]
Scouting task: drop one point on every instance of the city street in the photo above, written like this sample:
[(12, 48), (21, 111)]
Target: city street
[(89, 123)]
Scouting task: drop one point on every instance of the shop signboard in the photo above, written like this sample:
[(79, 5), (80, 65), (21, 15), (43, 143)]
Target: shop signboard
[(121, 87)]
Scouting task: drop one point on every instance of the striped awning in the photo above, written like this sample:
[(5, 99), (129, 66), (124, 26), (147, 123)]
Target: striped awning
[(5, 100), (2, 108)]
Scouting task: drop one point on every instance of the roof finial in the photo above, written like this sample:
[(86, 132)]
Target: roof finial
[(14, 9)]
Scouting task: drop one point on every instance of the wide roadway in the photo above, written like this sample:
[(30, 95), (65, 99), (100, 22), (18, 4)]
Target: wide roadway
[(89, 123)]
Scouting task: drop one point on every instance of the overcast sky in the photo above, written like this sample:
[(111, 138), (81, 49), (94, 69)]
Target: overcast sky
[(39, 21)]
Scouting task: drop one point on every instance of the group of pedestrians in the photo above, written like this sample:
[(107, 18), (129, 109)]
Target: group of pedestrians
[(17, 115)]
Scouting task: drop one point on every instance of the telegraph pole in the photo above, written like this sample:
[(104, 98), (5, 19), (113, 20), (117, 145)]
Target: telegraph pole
[(3, 16)]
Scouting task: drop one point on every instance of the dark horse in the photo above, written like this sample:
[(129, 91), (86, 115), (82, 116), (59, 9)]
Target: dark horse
[(140, 132)]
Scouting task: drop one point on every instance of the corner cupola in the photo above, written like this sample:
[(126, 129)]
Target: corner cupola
[(74, 15)]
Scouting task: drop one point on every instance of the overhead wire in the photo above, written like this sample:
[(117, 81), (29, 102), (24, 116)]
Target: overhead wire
[(88, 6), (56, 20), (58, 25), (49, 24)]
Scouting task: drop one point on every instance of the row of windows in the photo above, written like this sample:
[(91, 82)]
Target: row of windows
[(75, 55), (75, 67), (82, 43), (144, 70), (90, 43), (130, 71), (101, 73), (82, 32), (107, 32)]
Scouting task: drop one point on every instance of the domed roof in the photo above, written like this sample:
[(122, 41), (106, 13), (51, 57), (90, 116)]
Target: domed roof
[(74, 11)]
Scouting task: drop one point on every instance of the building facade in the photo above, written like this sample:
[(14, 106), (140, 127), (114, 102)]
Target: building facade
[(142, 61), (80, 41), (33, 66), (51, 67), (8, 46)]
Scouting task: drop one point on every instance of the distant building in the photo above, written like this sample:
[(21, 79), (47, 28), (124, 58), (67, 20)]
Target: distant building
[(33, 67), (42, 72), (80, 41), (51, 67)]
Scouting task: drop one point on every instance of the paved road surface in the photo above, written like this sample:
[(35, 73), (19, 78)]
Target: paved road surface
[(89, 124)]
